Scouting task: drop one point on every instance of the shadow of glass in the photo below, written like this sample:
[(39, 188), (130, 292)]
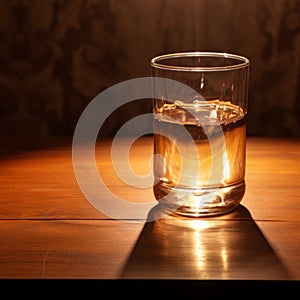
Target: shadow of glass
[(215, 248)]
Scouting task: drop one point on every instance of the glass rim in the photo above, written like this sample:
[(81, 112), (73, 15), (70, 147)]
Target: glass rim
[(242, 61)]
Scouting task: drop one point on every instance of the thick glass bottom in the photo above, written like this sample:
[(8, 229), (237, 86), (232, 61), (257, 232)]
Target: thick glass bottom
[(199, 202)]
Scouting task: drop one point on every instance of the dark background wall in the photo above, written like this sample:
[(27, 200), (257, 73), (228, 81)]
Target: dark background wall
[(57, 55)]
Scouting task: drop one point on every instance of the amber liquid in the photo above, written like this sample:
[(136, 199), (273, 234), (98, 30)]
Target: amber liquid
[(199, 166)]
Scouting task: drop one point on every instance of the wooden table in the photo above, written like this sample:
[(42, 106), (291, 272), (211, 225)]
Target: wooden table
[(50, 230)]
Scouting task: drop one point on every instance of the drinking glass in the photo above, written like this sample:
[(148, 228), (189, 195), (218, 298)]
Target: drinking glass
[(199, 108)]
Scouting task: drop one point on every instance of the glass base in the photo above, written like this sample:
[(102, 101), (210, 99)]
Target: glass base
[(200, 202)]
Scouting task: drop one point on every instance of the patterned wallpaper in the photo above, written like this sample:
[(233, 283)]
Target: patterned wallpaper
[(57, 55)]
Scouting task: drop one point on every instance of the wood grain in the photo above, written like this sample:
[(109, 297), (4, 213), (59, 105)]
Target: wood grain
[(58, 249), (49, 229)]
